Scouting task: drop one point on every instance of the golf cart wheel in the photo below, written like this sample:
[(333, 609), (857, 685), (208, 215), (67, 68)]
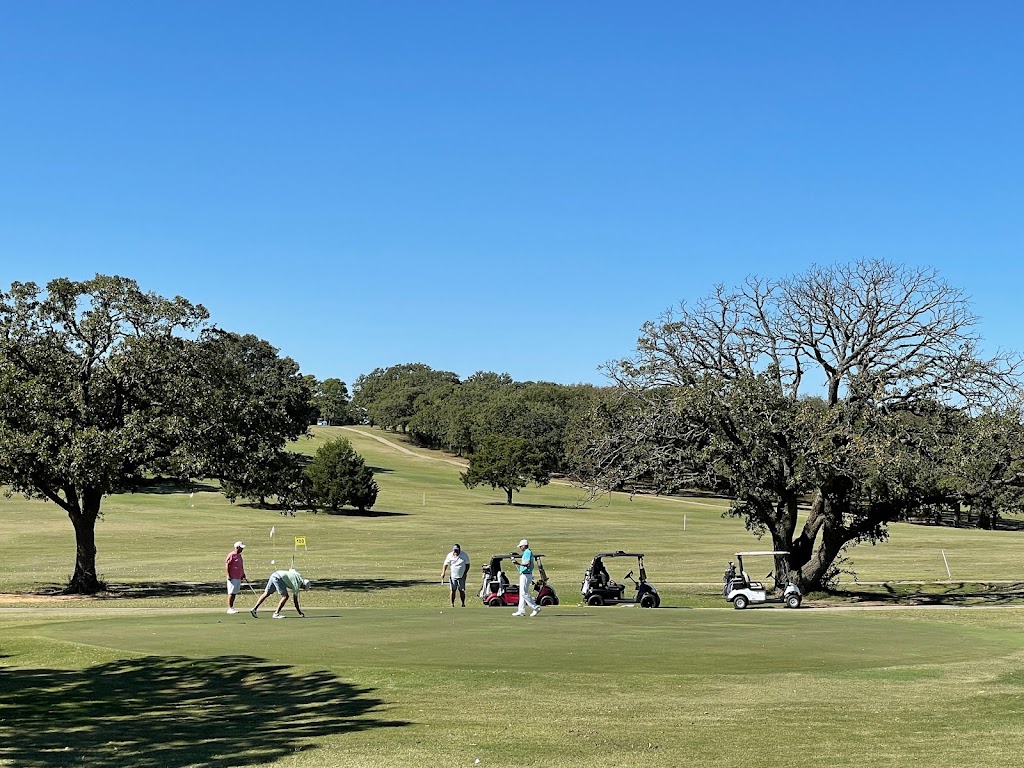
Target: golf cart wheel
[(793, 601), (547, 600), (495, 602), (657, 601), (739, 602), (648, 601), (595, 600)]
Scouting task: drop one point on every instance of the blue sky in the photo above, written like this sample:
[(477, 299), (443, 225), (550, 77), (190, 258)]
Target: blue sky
[(504, 186)]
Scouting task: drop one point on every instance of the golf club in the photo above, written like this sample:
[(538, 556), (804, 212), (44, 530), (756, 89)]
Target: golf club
[(251, 586)]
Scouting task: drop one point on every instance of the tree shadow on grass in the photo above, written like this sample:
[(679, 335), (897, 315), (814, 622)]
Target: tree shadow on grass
[(174, 712), (192, 589), (958, 593), (374, 585), (168, 485), (521, 505), (363, 513), (284, 510)]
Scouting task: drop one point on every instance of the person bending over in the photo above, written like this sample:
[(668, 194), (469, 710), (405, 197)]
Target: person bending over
[(282, 582)]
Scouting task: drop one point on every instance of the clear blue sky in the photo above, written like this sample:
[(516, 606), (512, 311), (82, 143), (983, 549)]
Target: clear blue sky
[(506, 186)]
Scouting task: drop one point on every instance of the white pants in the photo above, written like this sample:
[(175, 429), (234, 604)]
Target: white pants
[(525, 599)]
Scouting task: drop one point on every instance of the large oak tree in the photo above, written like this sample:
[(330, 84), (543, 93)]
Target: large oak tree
[(856, 387), (102, 385)]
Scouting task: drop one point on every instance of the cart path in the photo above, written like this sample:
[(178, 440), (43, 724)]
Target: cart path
[(402, 449)]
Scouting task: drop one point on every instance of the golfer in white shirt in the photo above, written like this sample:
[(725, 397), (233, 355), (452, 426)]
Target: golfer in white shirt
[(458, 561)]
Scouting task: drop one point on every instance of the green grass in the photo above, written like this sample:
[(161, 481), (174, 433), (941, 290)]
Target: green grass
[(385, 673)]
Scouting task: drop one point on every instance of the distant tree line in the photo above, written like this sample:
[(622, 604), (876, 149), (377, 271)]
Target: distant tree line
[(437, 409)]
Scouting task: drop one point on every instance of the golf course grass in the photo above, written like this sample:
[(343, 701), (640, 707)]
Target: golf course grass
[(383, 672)]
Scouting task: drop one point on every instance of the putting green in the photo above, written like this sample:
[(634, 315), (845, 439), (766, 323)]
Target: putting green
[(380, 687), (631, 641)]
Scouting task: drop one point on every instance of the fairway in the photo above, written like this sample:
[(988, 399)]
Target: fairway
[(629, 641), (384, 673)]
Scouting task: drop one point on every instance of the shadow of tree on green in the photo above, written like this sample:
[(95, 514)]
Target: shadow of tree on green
[(159, 712), (136, 590), (959, 593)]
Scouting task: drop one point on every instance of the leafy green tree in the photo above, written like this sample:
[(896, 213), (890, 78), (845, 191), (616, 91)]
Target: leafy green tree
[(716, 397), (391, 397), (278, 474), (464, 412), (332, 401), (984, 467), (338, 476), (102, 384), (509, 463)]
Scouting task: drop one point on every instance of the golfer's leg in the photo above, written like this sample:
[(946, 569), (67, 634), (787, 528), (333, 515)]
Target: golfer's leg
[(525, 589), (462, 596), (281, 604)]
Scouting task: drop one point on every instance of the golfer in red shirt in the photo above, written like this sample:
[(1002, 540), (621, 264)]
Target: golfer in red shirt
[(236, 572)]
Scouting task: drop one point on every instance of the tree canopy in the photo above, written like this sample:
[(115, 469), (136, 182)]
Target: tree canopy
[(102, 384), (338, 476), (509, 463), (331, 399), (856, 387)]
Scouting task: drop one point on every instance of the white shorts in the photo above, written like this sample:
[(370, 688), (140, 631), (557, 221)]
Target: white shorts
[(234, 586)]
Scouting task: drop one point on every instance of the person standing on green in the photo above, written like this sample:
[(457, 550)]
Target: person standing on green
[(281, 582), (525, 563), (458, 561)]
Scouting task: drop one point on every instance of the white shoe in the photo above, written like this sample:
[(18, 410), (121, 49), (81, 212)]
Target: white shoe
[(519, 613), (232, 610), (277, 616), (535, 611)]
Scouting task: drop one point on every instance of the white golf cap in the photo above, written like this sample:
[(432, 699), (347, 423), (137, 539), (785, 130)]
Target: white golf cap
[(239, 545), (524, 543)]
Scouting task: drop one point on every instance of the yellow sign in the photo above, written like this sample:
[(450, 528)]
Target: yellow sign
[(300, 541)]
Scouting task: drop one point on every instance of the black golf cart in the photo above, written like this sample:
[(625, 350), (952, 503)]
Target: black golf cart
[(599, 588)]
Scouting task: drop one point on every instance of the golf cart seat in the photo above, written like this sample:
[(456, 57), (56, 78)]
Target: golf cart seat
[(612, 586)]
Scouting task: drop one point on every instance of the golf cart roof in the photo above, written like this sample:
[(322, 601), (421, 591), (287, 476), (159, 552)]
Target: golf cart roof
[(620, 553), (765, 552)]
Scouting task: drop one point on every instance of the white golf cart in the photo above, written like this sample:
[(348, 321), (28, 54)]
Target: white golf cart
[(741, 591)]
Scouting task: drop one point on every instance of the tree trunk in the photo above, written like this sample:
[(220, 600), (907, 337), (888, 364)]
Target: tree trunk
[(84, 581), (509, 492), (813, 573)]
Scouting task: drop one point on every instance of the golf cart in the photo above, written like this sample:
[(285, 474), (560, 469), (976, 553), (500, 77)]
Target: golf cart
[(497, 591), (598, 588), (741, 591)]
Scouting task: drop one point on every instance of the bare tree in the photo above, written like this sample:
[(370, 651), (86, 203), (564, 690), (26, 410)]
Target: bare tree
[(811, 386)]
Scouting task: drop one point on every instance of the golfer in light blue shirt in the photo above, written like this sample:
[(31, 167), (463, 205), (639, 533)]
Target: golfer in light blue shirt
[(525, 563)]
